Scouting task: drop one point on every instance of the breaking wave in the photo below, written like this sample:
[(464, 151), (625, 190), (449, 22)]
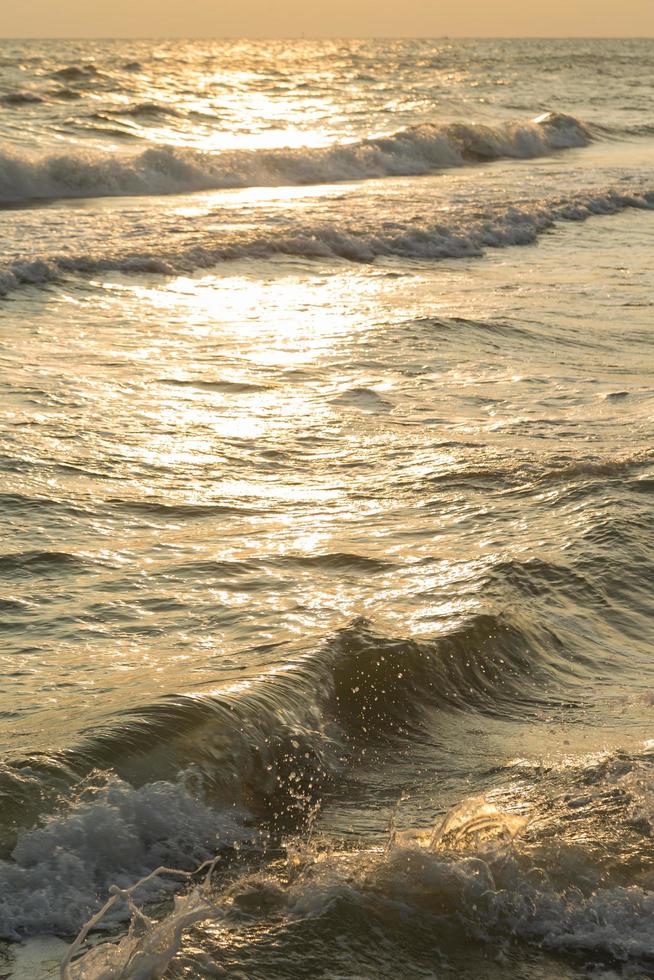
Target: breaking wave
[(501, 227), (166, 170), (269, 748), (493, 872)]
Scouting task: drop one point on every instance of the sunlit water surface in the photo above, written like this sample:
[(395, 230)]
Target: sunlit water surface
[(327, 509)]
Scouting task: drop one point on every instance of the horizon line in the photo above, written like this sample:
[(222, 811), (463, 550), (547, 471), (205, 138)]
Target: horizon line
[(329, 37)]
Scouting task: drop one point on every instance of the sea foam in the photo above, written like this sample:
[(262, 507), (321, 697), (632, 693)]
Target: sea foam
[(167, 170), (111, 834), (483, 877), (454, 235)]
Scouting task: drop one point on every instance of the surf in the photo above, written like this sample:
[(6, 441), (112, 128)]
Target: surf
[(168, 170)]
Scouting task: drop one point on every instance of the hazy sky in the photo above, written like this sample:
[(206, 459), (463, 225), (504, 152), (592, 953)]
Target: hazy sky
[(292, 18)]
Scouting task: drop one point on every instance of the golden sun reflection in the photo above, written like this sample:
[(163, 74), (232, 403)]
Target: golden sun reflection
[(303, 319)]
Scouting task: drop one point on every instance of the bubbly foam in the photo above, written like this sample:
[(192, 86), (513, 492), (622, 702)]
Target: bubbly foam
[(477, 879), (111, 835), (457, 236), (167, 170)]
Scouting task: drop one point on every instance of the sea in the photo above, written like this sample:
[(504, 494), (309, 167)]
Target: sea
[(326, 509)]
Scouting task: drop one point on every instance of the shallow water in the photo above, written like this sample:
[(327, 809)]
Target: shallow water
[(327, 510)]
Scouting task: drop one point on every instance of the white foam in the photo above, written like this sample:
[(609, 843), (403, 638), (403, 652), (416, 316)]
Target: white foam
[(38, 959), (166, 170), (459, 235), (111, 835), (482, 868), (489, 895)]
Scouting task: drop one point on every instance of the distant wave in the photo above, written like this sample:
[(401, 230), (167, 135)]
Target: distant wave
[(632, 130), (139, 110), (464, 237), (222, 385), (173, 510), (65, 93), (76, 73), (21, 98), (526, 475), (42, 562), (166, 170)]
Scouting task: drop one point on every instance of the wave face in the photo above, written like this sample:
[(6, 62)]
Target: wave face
[(273, 750), (166, 170)]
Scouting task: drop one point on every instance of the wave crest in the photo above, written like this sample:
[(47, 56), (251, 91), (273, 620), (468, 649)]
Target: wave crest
[(276, 744), (166, 170), (456, 237)]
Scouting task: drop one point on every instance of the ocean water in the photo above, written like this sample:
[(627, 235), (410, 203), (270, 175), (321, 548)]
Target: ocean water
[(326, 472)]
